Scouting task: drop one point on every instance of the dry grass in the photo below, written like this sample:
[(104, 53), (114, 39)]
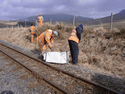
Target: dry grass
[(8, 22), (99, 47), (118, 25)]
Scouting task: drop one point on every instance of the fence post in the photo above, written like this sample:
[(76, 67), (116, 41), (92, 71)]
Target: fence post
[(18, 26), (25, 24), (12, 27), (74, 20), (36, 20), (50, 21), (34, 23), (111, 21)]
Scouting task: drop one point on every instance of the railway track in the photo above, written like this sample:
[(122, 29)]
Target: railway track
[(59, 80)]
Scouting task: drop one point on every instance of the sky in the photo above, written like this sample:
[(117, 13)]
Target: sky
[(18, 9)]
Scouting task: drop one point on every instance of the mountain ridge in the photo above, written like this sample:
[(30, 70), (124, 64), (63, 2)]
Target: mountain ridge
[(116, 17), (67, 18), (57, 17)]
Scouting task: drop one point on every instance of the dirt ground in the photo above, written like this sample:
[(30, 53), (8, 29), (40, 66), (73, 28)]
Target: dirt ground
[(98, 49)]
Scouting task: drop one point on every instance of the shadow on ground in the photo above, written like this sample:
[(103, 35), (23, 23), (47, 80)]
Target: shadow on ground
[(7, 92), (114, 83)]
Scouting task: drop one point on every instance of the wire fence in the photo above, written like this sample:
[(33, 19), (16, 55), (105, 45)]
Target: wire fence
[(109, 25)]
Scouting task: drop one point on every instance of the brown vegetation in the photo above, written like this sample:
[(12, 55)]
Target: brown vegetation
[(99, 48)]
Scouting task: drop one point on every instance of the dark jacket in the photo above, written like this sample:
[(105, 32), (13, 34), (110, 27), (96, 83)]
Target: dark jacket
[(78, 29)]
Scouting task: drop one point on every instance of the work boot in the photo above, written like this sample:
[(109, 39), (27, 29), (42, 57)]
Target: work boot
[(75, 64)]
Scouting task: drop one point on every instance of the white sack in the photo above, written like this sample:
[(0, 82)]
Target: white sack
[(56, 57)]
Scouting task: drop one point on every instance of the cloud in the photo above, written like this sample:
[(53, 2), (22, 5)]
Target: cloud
[(17, 9)]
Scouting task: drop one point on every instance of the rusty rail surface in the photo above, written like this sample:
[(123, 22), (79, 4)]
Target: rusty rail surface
[(43, 78), (111, 91)]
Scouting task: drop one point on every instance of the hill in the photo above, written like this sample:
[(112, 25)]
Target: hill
[(61, 17), (116, 18)]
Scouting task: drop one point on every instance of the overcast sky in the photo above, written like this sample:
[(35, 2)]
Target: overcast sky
[(17, 9)]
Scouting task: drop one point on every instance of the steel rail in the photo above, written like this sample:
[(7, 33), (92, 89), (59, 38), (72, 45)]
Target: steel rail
[(43, 78), (71, 74)]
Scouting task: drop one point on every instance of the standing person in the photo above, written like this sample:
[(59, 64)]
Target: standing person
[(40, 20), (74, 39), (33, 32), (46, 39)]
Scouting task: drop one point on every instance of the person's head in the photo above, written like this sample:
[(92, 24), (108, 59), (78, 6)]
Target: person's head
[(31, 24), (40, 14), (81, 26), (55, 33)]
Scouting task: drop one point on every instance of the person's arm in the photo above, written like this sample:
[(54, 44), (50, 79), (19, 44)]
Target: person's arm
[(47, 38), (52, 39), (35, 29), (78, 29), (29, 29)]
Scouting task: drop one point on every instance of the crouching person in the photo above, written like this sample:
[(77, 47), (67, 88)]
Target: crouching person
[(45, 39), (33, 32)]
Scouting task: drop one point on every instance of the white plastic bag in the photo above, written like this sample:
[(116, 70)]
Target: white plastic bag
[(56, 57)]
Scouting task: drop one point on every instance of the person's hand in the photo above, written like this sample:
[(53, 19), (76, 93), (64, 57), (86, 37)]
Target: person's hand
[(51, 49), (42, 53)]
